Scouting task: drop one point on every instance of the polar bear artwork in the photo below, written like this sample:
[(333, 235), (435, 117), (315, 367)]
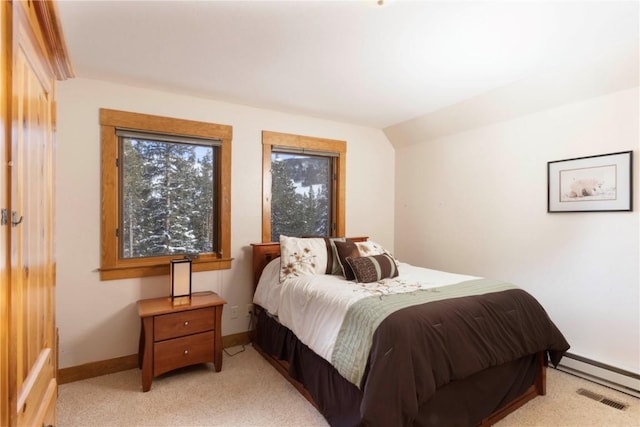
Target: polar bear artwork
[(599, 183), (585, 187)]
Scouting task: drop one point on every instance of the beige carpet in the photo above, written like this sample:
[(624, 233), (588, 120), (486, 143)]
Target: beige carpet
[(249, 392)]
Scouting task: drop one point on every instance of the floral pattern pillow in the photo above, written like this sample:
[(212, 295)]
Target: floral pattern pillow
[(370, 248), (302, 256)]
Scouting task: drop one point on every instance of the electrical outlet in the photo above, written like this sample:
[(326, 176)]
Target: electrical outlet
[(234, 312), (249, 310)]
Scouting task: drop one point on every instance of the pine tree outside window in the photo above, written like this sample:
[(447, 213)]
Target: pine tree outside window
[(303, 186), (165, 194), (301, 194)]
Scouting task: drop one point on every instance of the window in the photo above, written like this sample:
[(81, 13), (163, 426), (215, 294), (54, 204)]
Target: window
[(165, 194), (303, 186)]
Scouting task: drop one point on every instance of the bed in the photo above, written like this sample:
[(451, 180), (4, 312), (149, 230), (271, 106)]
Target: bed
[(403, 350)]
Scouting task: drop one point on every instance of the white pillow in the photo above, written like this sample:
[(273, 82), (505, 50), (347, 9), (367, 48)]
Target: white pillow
[(371, 248), (302, 256)]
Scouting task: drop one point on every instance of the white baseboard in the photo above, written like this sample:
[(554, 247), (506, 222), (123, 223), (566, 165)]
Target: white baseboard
[(618, 379)]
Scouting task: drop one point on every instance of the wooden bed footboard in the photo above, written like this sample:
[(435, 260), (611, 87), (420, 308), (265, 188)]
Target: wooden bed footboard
[(539, 388)]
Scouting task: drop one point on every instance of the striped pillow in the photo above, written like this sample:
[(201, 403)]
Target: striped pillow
[(373, 268), (333, 265)]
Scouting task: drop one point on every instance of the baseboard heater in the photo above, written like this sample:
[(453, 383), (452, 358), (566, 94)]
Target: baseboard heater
[(610, 376)]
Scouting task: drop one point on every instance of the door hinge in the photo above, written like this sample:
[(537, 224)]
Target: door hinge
[(117, 162), (4, 217), (117, 232)]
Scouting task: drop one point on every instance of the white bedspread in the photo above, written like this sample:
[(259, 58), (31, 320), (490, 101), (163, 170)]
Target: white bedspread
[(313, 307)]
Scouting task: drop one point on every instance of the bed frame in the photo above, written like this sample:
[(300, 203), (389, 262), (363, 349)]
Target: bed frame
[(263, 253)]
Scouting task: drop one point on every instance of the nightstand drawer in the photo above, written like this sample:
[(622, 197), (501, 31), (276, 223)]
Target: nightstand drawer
[(185, 351), (183, 323)]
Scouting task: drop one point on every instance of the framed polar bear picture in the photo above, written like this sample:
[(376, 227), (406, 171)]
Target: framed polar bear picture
[(600, 183)]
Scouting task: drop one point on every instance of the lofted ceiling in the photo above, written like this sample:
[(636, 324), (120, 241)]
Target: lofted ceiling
[(351, 61)]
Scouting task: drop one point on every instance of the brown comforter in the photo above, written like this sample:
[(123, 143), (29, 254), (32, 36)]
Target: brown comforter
[(420, 349)]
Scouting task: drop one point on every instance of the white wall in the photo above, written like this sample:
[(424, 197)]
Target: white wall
[(475, 202), (98, 320)]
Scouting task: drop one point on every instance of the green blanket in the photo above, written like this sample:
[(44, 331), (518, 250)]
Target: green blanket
[(354, 340)]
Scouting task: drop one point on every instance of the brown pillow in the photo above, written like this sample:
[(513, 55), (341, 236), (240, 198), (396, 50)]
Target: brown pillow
[(333, 266), (373, 268), (346, 249)]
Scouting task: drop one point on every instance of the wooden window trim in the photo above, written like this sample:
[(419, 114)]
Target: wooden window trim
[(269, 139), (111, 265)]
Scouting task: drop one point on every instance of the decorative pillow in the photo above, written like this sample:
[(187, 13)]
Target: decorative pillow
[(373, 268), (369, 248), (333, 264), (346, 249), (302, 256)]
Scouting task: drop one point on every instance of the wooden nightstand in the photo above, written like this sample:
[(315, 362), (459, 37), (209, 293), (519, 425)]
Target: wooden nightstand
[(177, 335)]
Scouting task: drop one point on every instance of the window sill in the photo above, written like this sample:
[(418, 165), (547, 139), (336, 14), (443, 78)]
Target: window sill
[(131, 271)]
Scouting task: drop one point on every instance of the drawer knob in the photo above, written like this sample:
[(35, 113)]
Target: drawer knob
[(186, 323), (186, 352)]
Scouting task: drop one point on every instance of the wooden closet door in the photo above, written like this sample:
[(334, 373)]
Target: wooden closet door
[(32, 273), (5, 64)]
